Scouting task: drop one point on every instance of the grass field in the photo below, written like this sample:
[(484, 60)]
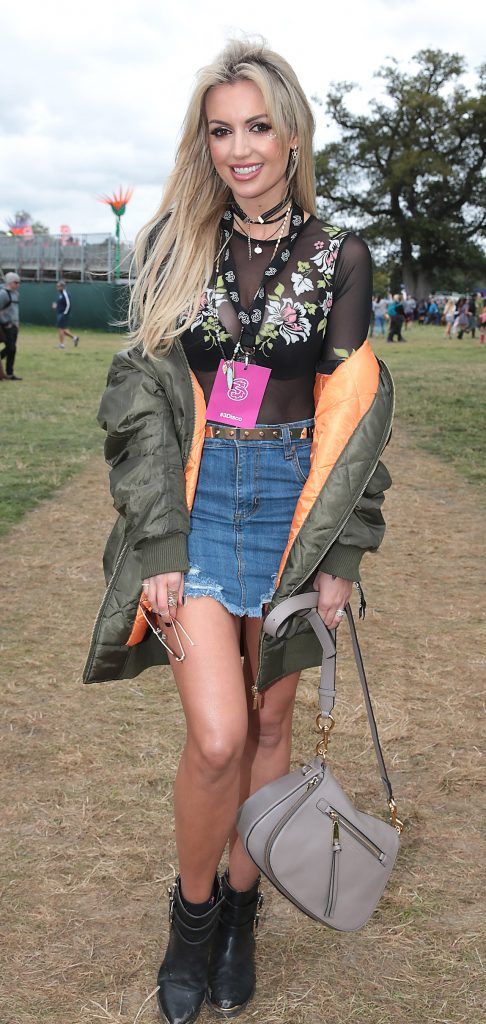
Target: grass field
[(48, 421), (440, 396)]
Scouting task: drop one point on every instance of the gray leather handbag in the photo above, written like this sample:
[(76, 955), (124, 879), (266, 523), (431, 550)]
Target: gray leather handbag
[(302, 830)]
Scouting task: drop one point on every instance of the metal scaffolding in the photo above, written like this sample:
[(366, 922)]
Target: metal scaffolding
[(90, 257)]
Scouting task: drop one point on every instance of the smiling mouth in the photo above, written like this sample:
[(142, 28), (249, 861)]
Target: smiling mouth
[(243, 172)]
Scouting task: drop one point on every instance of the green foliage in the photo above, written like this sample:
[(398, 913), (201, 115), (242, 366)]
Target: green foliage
[(381, 281), (412, 171)]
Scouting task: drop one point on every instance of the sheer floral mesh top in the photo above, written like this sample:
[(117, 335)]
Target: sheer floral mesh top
[(314, 311)]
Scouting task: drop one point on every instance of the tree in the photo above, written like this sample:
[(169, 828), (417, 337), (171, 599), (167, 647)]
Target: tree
[(410, 174)]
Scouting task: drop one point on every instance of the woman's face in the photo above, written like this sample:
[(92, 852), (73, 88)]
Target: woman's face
[(244, 148)]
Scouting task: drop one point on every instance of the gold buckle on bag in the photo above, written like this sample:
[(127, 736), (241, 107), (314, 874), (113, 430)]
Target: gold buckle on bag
[(325, 724), (393, 816)]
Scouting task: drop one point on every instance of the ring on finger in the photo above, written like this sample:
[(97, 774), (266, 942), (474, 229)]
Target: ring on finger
[(340, 613), (172, 599)]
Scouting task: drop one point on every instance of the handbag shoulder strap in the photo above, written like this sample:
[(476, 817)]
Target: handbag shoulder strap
[(276, 623)]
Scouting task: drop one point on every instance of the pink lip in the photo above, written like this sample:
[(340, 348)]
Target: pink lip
[(247, 177)]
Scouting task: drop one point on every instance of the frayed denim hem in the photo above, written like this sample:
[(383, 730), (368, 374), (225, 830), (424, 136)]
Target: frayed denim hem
[(250, 613), (197, 585)]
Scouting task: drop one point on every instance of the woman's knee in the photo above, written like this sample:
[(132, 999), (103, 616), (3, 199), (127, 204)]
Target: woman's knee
[(216, 754), (272, 730)]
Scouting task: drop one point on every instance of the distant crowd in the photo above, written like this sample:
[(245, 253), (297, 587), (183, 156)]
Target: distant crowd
[(459, 316)]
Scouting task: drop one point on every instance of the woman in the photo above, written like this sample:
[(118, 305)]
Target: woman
[(218, 521), (449, 316)]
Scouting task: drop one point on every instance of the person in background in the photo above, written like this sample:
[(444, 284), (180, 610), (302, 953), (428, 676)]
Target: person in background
[(459, 304), (472, 314), (408, 308), (371, 329), (433, 315), (463, 321), (482, 326), (379, 310), (397, 316), (9, 323), (449, 316), (63, 307)]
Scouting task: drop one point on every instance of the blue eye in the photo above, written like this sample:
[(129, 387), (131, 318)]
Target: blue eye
[(219, 132), (262, 127)]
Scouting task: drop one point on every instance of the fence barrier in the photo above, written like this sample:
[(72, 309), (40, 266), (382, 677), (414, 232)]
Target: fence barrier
[(89, 257)]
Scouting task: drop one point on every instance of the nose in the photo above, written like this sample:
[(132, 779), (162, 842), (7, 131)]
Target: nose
[(242, 145)]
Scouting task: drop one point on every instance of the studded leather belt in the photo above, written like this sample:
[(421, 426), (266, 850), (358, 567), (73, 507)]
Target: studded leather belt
[(257, 433)]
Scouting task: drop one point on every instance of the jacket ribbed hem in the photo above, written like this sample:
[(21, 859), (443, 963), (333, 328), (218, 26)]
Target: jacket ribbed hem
[(165, 554), (343, 560)]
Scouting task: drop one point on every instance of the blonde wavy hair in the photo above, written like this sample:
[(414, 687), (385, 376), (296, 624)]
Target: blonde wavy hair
[(175, 251)]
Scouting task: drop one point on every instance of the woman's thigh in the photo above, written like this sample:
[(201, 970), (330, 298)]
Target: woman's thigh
[(210, 679)]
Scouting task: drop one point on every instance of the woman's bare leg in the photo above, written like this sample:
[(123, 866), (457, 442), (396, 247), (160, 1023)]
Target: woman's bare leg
[(268, 746), (212, 690)]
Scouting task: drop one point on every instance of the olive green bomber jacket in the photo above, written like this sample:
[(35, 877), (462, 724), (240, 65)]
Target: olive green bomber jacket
[(154, 422)]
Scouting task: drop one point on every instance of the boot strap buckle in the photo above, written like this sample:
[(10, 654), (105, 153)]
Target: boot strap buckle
[(260, 902), (171, 894)]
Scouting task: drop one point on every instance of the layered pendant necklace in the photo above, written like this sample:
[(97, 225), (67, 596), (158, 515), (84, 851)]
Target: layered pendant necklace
[(257, 248), (263, 218), (251, 319)]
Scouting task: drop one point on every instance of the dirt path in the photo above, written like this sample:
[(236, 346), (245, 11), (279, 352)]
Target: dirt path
[(87, 838)]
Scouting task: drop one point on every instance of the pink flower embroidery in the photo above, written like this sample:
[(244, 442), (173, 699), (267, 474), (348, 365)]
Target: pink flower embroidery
[(290, 317), (326, 258), (327, 304)]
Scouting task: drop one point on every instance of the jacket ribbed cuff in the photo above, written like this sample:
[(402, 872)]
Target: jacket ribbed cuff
[(165, 554), (343, 560)]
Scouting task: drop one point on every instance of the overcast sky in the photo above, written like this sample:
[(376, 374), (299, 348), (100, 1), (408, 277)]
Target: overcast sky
[(93, 93)]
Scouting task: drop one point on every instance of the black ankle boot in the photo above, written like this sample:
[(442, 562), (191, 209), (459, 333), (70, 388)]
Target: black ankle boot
[(232, 961), (183, 974)]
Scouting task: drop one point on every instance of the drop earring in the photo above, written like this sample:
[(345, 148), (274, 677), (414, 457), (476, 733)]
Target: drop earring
[(295, 153)]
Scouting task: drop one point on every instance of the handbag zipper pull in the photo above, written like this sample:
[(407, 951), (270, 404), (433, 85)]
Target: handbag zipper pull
[(336, 845)]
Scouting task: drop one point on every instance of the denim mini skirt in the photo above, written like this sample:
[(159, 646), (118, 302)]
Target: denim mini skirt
[(240, 522)]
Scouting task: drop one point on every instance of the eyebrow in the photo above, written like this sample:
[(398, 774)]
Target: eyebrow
[(248, 120)]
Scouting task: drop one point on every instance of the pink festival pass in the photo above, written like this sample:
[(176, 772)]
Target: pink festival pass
[(240, 406)]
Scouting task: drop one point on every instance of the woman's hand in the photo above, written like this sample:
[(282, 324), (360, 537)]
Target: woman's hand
[(165, 593), (334, 593)]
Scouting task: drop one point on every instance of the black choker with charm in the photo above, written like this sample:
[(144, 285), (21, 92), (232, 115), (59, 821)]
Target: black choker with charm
[(264, 218)]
